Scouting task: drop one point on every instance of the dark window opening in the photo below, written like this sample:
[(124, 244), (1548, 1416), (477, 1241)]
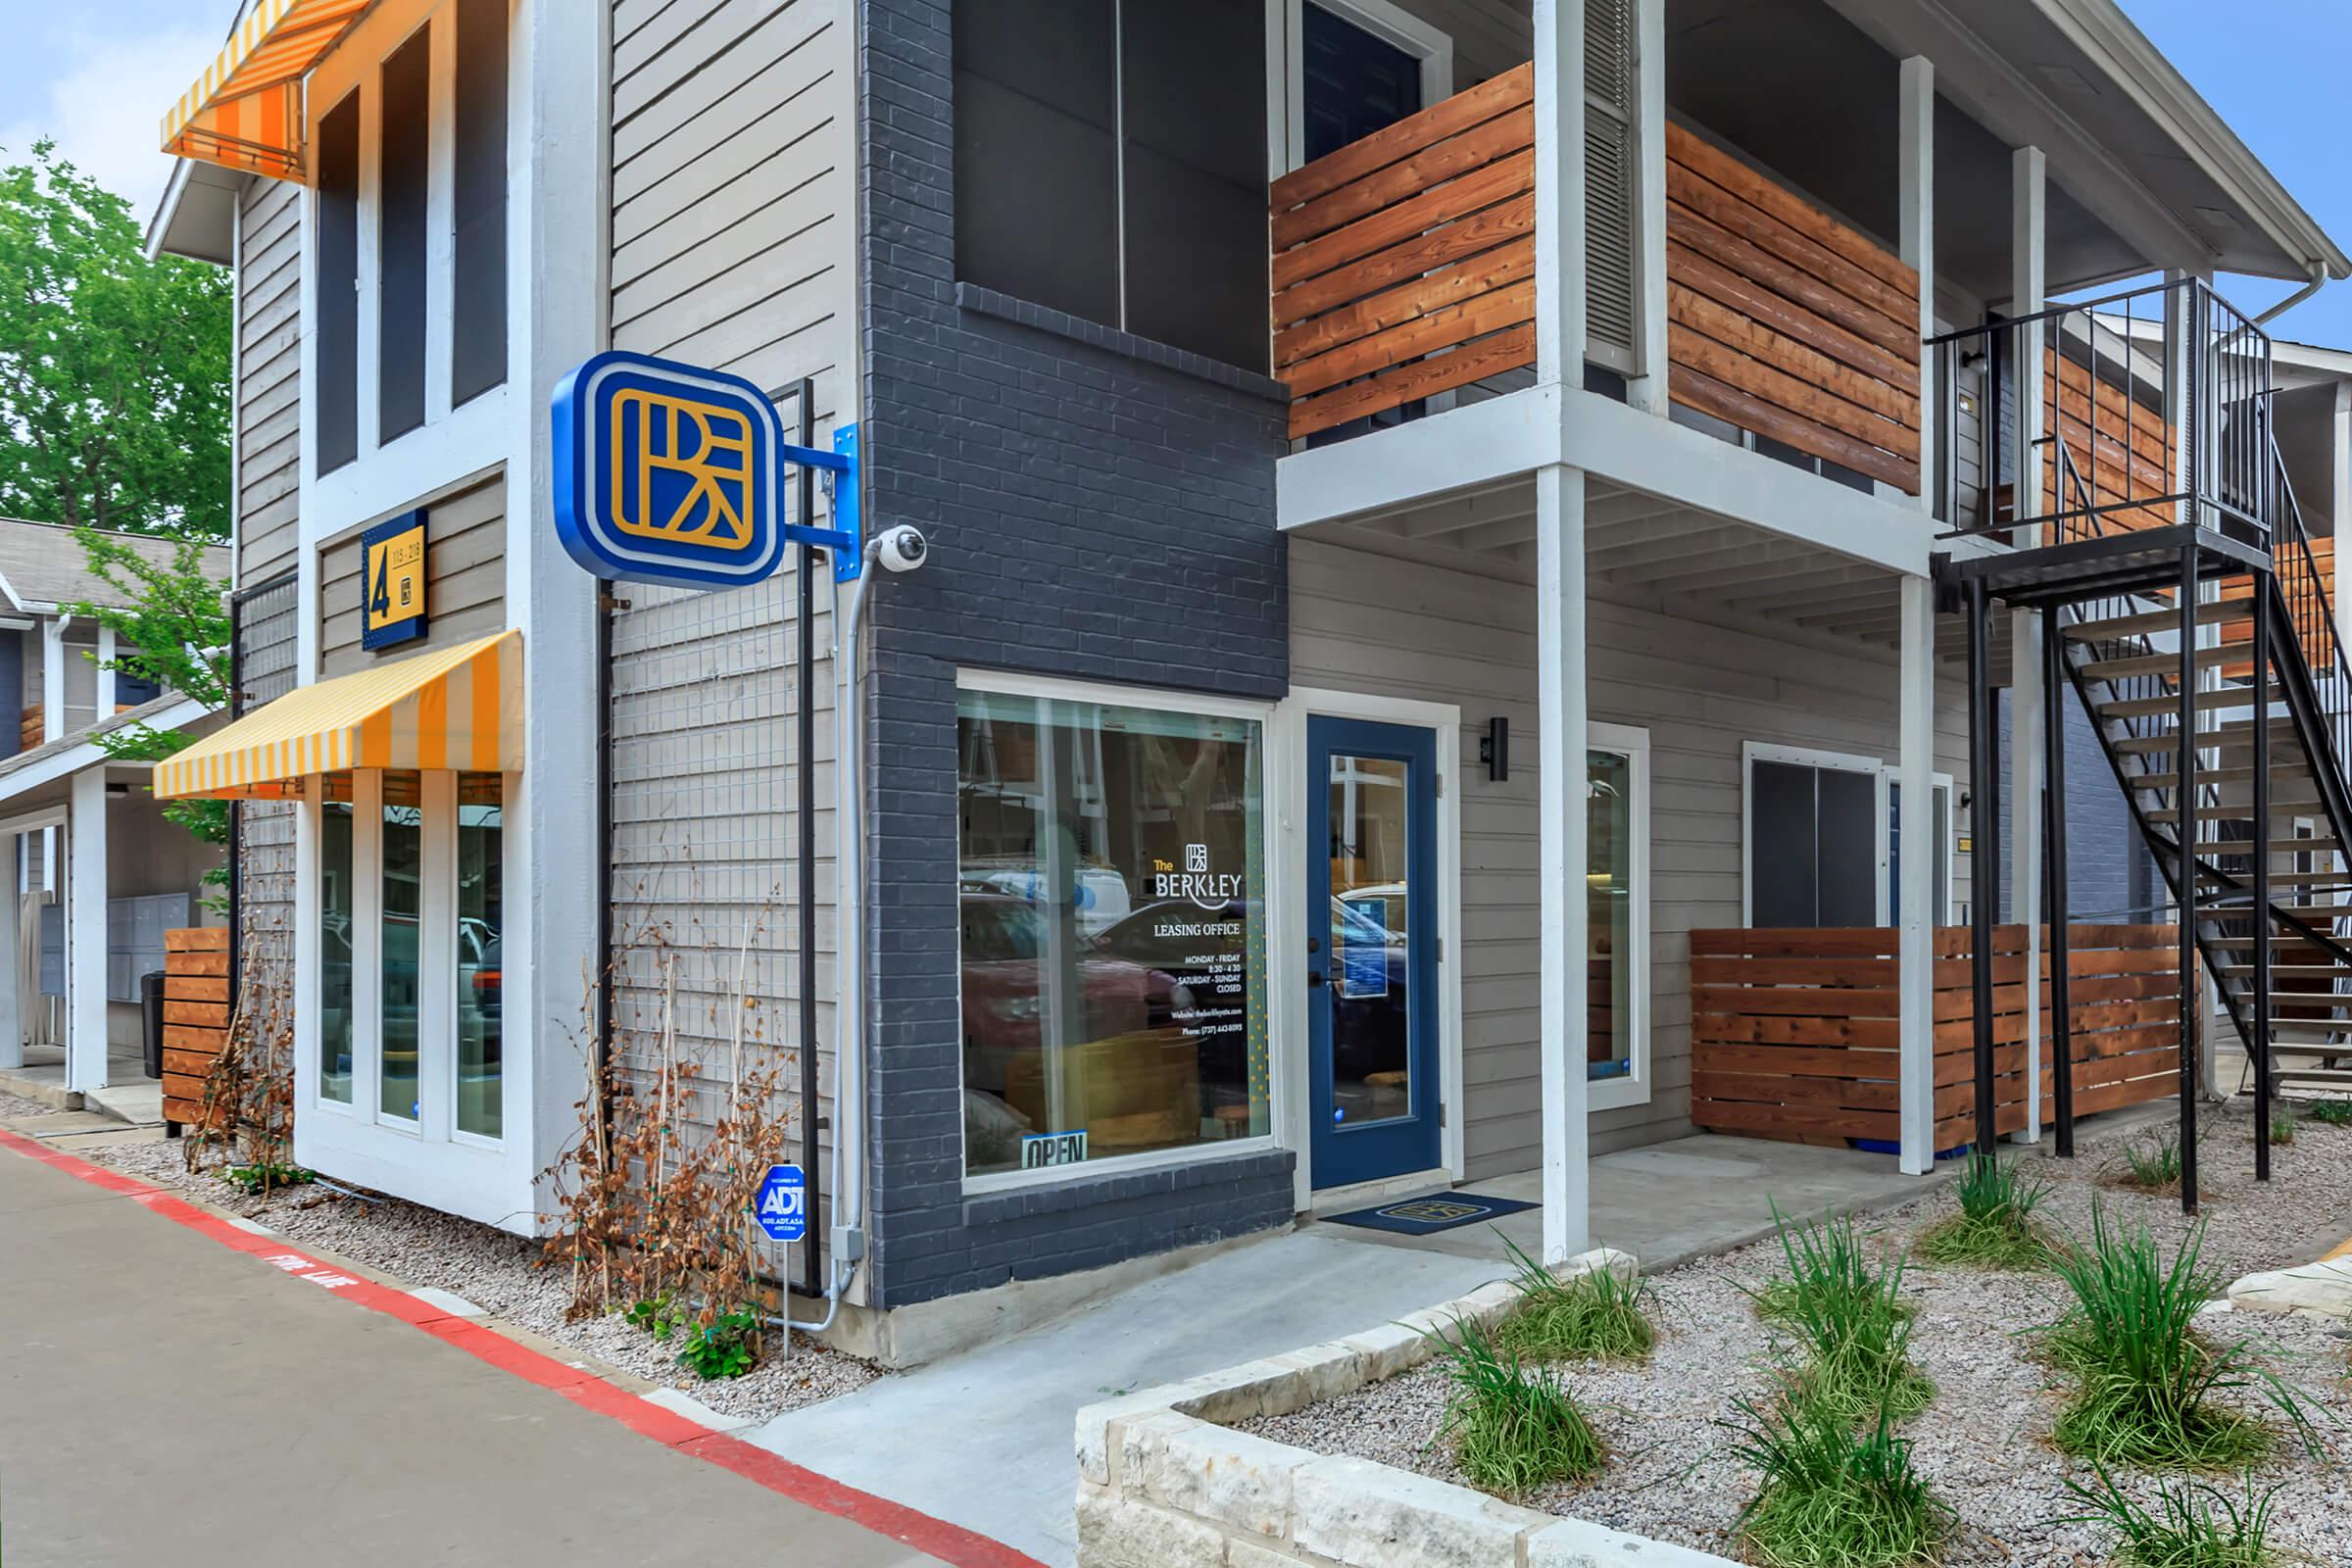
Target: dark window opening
[(1813, 847), (405, 154), (478, 200), (337, 354)]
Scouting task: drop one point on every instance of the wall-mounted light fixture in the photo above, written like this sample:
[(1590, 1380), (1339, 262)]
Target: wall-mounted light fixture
[(1494, 748)]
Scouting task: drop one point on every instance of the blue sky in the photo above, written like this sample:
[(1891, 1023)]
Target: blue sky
[(97, 75)]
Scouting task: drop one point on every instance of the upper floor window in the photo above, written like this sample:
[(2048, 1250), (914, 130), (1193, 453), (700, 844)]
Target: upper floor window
[(1110, 162), (411, 232)]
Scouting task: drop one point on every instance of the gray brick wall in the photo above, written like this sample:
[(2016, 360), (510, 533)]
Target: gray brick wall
[(2108, 873), (1099, 507)]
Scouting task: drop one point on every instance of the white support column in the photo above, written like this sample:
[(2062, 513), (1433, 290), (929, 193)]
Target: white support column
[(85, 932), (1559, 57), (2026, 251), (106, 669), (1648, 390), (12, 902), (53, 677), (1916, 887), (1562, 769), (1916, 228)]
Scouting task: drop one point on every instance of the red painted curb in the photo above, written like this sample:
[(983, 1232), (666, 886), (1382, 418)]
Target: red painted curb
[(936, 1538)]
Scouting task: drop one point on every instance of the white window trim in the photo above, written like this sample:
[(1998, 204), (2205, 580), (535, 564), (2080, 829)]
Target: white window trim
[(453, 441), (1753, 752), (1285, 946), (1631, 742), (1950, 912), (1057, 689), (1285, 88)]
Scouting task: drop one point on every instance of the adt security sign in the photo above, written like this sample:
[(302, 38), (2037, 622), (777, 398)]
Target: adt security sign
[(669, 473), (783, 1207)]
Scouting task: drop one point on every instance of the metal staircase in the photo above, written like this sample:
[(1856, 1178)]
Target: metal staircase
[(2195, 608)]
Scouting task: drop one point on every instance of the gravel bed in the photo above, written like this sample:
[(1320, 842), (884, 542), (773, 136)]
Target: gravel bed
[(1983, 1443), (499, 1272), (14, 1106)]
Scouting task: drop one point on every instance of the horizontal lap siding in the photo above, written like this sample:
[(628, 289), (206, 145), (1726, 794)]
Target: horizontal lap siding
[(465, 576), (732, 241), (1364, 623), (268, 378)]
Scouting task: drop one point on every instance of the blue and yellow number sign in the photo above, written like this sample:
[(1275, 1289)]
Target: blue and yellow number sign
[(667, 474), (392, 581)]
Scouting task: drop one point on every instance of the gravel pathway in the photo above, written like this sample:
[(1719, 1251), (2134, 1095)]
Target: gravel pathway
[(1983, 1443), (499, 1272)]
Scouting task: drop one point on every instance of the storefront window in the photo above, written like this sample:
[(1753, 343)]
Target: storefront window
[(335, 912), (1111, 884), (480, 915), (403, 911)]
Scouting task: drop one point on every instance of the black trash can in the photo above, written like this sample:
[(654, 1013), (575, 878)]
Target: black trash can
[(151, 1003)]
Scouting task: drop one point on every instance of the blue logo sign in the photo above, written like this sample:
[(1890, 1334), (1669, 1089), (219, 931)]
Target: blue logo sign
[(782, 1208), (667, 474)]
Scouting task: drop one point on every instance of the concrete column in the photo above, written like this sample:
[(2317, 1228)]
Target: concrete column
[(1916, 229), (85, 933), (1562, 771), (1915, 892), (1648, 390), (12, 902), (2026, 255), (1559, 58)]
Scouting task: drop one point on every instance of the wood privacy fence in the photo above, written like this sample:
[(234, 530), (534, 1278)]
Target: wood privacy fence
[(1795, 1034), (1784, 322), (1404, 263)]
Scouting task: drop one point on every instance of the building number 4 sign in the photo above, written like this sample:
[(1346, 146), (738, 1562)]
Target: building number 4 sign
[(392, 581)]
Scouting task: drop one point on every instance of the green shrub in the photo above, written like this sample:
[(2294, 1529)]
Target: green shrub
[(1995, 1226), (1834, 1495), (1513, 1427), (1597, 1316), (2282, 1127), (658, 1315), (262, 1176), (2153, 1164), (2329, 1113), (2146, 1377), (723, 1347), (2194, 1525), (1852, 1320)]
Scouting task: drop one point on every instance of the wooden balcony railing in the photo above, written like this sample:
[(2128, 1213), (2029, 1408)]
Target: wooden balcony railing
[(1794, 1034), (1404, 263), (1784, 322)]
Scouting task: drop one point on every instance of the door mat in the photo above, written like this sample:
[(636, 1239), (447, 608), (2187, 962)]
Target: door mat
[(1426, 1216)]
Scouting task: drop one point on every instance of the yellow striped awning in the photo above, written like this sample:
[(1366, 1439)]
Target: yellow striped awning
[(455, 708), (245, 112)]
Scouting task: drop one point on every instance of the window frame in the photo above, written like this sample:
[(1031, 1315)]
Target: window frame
[(1637, 1086), (1875, 767), (1110, 693)]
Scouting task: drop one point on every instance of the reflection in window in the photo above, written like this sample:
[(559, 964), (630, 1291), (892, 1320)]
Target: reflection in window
[(1609, 890), (335, 910), (1111, 889), (480, 900), (404, 910), (1370, 938)]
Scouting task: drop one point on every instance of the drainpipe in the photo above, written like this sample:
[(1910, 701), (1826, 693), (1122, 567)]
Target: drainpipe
[(2318, 275)]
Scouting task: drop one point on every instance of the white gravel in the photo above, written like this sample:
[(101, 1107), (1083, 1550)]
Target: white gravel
[(14, 1106), (500, 1273), (1983, 1443)]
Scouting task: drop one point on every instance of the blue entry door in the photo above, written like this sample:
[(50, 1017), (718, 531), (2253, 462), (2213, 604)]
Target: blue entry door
[(1371, 949)]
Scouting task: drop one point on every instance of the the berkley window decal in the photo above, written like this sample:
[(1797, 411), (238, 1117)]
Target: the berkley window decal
[(392, 581), (671, 473)]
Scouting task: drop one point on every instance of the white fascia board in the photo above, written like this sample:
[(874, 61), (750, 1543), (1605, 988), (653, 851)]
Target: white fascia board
[(2101, 30), (88, 754), (1626, 446), (1461, 449)]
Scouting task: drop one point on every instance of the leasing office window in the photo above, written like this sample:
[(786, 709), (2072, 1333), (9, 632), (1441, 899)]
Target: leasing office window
[(415, 194), (411, 902), (1110, 162), (1112, 898), (1814, 828)]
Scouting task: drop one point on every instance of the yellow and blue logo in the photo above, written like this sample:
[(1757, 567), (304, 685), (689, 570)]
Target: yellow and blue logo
[(392, 581)]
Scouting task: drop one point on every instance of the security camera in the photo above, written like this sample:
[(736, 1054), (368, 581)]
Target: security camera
[(902, 549)]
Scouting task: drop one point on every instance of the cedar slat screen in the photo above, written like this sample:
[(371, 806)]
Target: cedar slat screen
[(1794, 1033), (1404, 263), (1785, 322)]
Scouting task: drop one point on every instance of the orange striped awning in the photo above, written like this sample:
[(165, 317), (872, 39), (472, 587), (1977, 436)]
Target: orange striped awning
[(245, 112), (454, 707)]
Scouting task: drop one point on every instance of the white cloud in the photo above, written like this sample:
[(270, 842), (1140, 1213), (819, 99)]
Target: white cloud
[(105, 100)]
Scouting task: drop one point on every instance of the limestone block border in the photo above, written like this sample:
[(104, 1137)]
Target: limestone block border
[(1164, 1481)]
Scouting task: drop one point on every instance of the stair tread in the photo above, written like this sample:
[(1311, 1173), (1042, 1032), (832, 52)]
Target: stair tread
[(2221, 738), (2238, 813), (2219, 698), (2106, 669), (2221, 775), (2211, 614)]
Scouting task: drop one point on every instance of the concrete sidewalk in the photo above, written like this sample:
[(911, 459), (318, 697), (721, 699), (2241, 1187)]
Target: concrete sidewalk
[(165, 1399)]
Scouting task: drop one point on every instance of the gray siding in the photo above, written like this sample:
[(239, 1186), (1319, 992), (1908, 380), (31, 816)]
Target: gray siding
[(1368, 623), (269, 466), (466, 572)]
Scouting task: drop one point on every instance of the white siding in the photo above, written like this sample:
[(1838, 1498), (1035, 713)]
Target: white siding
[(1364, 623)]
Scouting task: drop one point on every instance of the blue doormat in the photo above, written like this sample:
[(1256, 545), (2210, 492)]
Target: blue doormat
[(1426, 1216)]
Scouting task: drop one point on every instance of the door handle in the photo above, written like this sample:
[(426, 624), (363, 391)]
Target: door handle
[(1313, 979)]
